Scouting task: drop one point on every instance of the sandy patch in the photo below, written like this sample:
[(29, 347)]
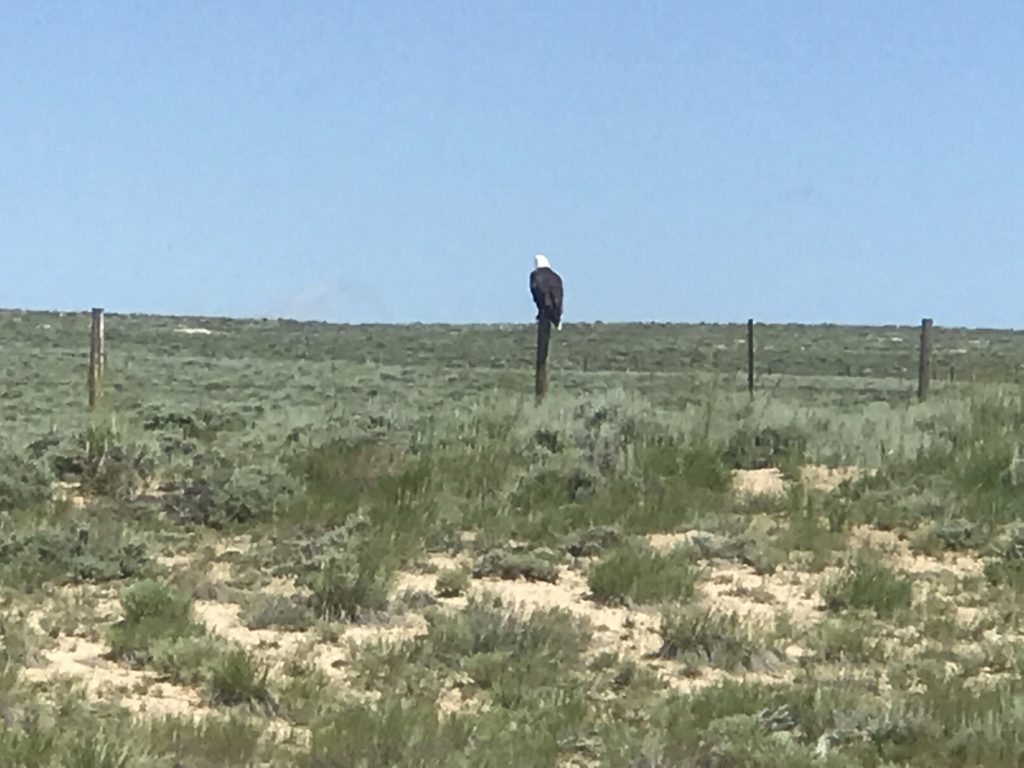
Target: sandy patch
[(631, 632), (138, 691), (752, 482), (195, 331), (69, 492), (737, 588), (897, 551), (815, 476), (425, 580), (824, 478), (665, 542)]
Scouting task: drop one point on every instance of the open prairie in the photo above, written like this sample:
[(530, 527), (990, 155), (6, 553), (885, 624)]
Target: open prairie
[(279, 543)]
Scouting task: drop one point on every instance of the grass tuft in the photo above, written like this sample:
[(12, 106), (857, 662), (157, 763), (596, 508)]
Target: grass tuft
[(530, 564), (237, 678), (705, 636), (152, 612), (866, 583), (637, 574)]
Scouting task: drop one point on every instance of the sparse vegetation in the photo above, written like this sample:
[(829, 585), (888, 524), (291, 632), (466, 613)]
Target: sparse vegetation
[(283, 612), (706, 636), (341, 461), (867, 583), (636, 573), (236, 678), (152, 612), (530, 564), (452, 582)]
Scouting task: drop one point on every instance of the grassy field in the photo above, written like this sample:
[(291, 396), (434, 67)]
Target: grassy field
[(281, 543)]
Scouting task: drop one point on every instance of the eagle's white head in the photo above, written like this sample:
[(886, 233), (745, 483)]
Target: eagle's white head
[(541, 261)]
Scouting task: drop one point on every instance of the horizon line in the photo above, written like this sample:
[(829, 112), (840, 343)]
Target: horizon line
[(491, 323)]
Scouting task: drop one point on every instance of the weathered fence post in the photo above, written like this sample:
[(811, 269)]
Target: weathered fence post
[(543, 341), (750, 356), (924, 367), (96, 357)]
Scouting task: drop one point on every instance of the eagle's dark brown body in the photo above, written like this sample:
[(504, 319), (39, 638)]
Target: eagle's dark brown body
[(546, 287)]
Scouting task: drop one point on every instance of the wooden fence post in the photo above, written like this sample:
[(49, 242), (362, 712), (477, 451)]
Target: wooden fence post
[(750, 356), (97, 354), (543, 342), (924, 367)]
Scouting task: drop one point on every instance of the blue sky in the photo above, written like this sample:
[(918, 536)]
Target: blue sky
[(794, 161)]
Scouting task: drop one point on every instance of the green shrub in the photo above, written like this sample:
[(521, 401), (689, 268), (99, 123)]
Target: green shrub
[(866, 583), (524, 661), (592, 541), (751, 448), (104, 750), (216, 493), (636, 573), (73, 552), (24, 483), (185, 659), (376, 481), (395, 731), (349, 571), (1008, 573), (512, 654), (16, 646), (202, 425), (236, 678), (303, 691), (845, 639), (209, 742), (452, 582), (704, 636), (538, 564), (282, 612), (152, 612), (107, 463), (958, 533)]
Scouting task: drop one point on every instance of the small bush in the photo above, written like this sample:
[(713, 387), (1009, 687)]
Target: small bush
[(958, 533), (152, 612), (783, 448), (303, 691), (452, 582), (208, 742), (395, 731), (593, 541), (487, 625), (520, 658), (74, 552), (868, 584), (185, 660), (1007, 573), (103, 750), (107, 463), (844, 639), (283, 612), (216, 493), (349, 571), (530, 564), (16, 644), (23, 483), (638, 574), (236, 678), (708, 637)]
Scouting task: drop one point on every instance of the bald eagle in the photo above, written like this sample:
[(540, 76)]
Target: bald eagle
[(546, 287)]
